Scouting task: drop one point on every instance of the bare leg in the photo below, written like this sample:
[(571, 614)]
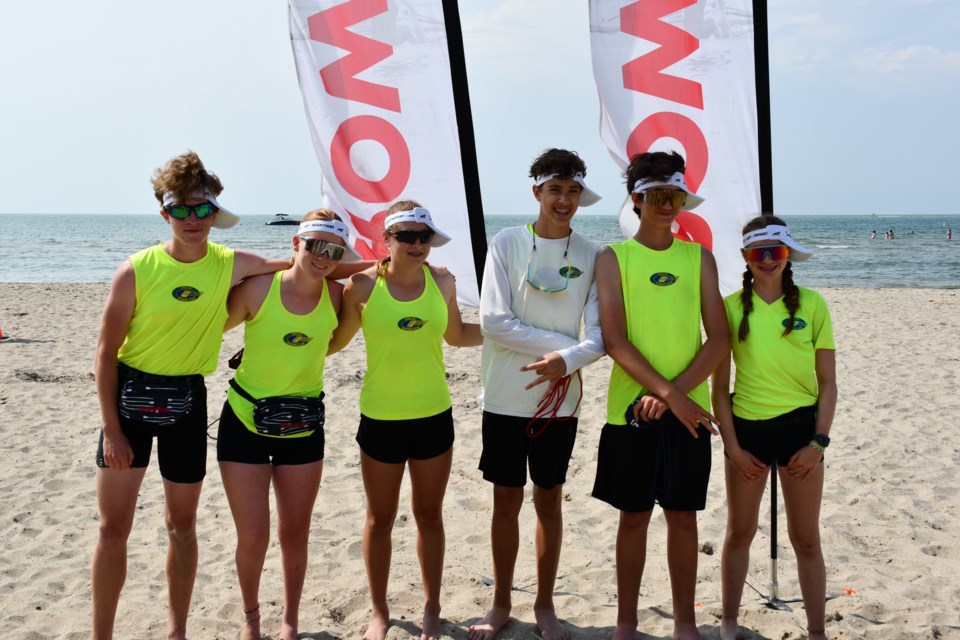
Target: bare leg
[(381, 481), (682, 561), (631, 558), (505, 543), (743, 512), (117, 500), (549, 506), (428, 480), (802, 502), (295, 488), (181, 519), (248, 492)]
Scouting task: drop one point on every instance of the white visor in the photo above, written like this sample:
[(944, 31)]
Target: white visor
[(417, 215), (676, 180), (335, 227), (587, 196), (778, 233), (223, 219)]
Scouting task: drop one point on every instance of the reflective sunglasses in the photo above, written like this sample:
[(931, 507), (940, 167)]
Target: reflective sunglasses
[(657, 198), (183, 211), (411, 237), (566, 270), (759, 254), (322, 248)]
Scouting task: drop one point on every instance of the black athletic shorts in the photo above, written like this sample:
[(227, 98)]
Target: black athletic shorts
[(777, 438), (662, 464), (236, 443), (396, 441), (507, 450), (181, 447)]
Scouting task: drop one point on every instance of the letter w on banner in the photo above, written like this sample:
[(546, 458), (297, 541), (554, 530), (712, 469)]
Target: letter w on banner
[(679, 75), (384, 86)]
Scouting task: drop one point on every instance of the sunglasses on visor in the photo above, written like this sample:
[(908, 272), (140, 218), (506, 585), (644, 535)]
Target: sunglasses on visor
[(659, 197), (183, 211), (759, 254), (322, 248), (411, 237)]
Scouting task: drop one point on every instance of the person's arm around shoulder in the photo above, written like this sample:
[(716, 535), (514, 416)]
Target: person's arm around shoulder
[(335, 289), (355, 295), (114, 324), (458, 333), (345, 269), (246, 298), (246, 264)]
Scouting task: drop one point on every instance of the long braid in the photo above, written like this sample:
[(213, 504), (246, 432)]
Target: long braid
[(746, 300), (791, 296)]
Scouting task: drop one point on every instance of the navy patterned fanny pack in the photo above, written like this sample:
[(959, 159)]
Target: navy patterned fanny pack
[(281, 416)]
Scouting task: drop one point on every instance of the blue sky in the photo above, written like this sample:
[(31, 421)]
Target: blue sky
[(96, 95)]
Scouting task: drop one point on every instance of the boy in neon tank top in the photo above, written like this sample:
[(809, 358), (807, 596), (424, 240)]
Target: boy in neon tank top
[(784, 400), (538, 292), (654, 291), (163, 321)]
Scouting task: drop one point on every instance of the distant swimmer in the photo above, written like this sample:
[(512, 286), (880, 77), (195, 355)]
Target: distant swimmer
[(873, 236), (949, 234)]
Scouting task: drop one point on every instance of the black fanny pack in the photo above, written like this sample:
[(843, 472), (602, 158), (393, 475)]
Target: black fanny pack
[(159, 401), (284, 415)]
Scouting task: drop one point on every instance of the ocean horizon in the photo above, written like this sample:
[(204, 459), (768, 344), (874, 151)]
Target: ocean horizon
[(88, 247)]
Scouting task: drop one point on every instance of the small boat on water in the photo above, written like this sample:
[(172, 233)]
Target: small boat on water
[(283, 219)]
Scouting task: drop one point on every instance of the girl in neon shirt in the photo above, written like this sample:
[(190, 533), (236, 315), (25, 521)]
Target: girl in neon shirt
[(784, 399)]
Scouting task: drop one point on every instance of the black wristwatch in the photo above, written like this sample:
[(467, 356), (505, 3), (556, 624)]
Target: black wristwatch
[(820, 439)]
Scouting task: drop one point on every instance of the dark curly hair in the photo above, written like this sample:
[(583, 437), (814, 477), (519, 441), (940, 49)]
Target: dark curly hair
[(565, 164), (791, 292)]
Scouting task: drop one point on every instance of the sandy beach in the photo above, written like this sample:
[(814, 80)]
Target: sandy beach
[(891, 510)]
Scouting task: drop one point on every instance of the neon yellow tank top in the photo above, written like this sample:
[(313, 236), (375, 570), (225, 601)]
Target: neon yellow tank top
[(177, 323), (283, 353), (661, 298), (405, 376)]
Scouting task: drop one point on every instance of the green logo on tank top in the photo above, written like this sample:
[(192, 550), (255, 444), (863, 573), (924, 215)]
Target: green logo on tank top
[(186, 294), (296, 339), (663, 279), (798, 323), (570, 272), (411, 323)]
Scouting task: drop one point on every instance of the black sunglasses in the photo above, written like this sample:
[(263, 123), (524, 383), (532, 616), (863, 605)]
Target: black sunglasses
[(411, 237)]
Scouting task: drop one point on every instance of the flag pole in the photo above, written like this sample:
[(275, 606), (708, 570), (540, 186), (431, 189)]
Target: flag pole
[(761, 63)]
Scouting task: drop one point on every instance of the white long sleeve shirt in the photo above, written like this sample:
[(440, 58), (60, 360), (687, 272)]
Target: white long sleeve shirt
[(521, 324)]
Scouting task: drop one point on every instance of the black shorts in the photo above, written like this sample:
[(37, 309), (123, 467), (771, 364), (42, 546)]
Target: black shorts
[(181, 447), (236, 443), (507, 449), (662, 464), (396, 441), (777, 438)]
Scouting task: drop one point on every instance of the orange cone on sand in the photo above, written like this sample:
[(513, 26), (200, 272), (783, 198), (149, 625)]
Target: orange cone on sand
[(3, 337)]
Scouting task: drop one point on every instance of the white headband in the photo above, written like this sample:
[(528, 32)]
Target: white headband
[(587, 196), (676, 180), (778, 233), (335, 227), (419, 214), (223, 218)]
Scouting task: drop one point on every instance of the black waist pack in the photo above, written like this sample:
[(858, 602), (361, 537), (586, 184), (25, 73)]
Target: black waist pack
[(284, 415), (155, 400)]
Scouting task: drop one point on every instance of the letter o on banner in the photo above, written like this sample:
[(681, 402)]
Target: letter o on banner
[(690, 226), (359, 128)]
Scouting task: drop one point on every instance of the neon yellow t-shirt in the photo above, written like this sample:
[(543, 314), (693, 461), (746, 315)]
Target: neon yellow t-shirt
[(776, 373), (661, 299), (283, 353), (177, 323), (405, 376)]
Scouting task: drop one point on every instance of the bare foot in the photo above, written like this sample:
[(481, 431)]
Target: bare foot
[(729, 629), (287, 632), (685, 631), (550, 627), (431, 622), (250, 627), (816, 635), (625, 631), (487, 628), (377, 629)]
